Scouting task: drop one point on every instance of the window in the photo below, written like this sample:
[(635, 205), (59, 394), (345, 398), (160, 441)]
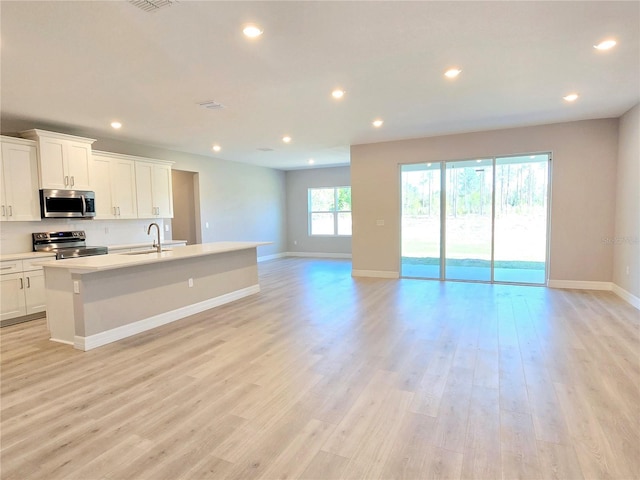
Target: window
[(330, 211)]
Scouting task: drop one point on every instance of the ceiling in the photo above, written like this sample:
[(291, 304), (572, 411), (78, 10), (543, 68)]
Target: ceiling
[(78, 66)]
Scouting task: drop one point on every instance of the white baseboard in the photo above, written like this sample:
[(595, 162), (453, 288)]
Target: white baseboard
[(66, 342), (374, 274), (118, 333), (318, 255), (264, 258), (580, 285), (626, 296), (608, 286)]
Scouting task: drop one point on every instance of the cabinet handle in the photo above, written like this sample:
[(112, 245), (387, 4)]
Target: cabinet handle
[(66, 180), (28, 283), (118, 211), (73, 181), (10, 211), (4, 212), (21, 284), (6, 268)]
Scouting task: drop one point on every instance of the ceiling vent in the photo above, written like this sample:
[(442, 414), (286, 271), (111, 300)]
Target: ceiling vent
[(265, 149), (151, 6), (211, 105)]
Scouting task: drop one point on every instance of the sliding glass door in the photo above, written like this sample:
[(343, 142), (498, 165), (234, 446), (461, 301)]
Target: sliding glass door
[(421, 192), (520, 236), (469, 191), (476, 220)]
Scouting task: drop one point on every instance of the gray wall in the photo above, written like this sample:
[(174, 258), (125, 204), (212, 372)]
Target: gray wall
[(298, 183), (583, 191), (626, 242)]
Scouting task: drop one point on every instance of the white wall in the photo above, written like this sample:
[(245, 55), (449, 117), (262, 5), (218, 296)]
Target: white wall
[(583, 191), (626, 241), (298, 183)]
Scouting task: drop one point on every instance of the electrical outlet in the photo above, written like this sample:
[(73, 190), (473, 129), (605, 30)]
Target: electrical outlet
[(190, 282), (380, 223), (295, 242), (627, 269), (206, 224), (76, 286), (166, 228)]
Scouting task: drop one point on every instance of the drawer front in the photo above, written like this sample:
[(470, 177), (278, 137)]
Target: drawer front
[(10, 266), (30, 265)]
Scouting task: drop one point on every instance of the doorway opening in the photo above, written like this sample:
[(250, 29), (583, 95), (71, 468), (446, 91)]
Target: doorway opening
[(186, 207), (476, 220)]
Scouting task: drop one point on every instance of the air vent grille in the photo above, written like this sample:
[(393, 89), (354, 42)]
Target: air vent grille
[(265, 149), (211, 105), (151, 6)]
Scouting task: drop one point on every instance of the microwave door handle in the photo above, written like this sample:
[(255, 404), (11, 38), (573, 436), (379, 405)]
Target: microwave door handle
[(84, 205)]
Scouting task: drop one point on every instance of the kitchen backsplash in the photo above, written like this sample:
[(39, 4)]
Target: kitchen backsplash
[(15, 237)]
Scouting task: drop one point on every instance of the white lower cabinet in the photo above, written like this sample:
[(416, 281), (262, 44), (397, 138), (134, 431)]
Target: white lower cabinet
[(12, 294), (21, 289)]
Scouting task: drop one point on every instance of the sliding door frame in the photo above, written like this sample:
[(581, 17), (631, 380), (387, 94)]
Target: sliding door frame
[(443, 222)]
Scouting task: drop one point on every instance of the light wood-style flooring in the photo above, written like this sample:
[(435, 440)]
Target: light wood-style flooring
[(325, 376)]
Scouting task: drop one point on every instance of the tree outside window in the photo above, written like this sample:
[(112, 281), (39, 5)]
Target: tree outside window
[(330, 211)]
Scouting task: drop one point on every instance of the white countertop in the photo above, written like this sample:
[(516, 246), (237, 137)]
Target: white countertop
[(142, 245), (26, 256), (99, 263), (43, 255)]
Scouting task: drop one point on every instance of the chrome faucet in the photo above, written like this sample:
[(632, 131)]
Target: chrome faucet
[(157, 246)]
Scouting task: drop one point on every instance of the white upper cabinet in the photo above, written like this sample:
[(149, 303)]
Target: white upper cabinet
[(113, 179), (19, 180), (154, 189), (64, 159)]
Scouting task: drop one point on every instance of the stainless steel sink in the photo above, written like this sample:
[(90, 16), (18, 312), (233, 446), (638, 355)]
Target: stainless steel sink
[(145, 252)]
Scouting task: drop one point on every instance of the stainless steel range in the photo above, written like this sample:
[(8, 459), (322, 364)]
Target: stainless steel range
[(65, 244)]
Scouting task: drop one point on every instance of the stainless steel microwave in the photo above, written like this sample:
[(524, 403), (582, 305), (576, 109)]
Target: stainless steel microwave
[(67, 204)]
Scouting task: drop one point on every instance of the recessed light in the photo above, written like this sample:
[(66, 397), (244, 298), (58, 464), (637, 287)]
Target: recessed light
[(605, 45), (116, 125), (377, 123), (286, 139), (252, 31), (338, 93), (216, 148), (572, 97), (452, 72), (478, 161), (428, 164), (311, 161)]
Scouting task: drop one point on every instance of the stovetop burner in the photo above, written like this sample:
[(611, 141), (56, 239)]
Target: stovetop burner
[(65, 244)]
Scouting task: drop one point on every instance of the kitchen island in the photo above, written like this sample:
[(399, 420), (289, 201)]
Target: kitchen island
[(92, 301)]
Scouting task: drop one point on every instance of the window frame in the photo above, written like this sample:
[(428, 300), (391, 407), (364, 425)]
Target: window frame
[(335, 212)]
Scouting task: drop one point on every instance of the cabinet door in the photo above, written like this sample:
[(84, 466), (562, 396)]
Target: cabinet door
[(144, 195), (34, 291), (12, 294), (20, 166), (78, 159), (52, 163), (101, 185), (123, 186), (162, 195)]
